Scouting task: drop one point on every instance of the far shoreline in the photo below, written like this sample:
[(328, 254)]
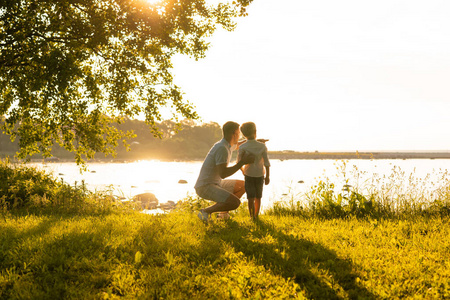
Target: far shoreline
[(285, 155), (277, 155)]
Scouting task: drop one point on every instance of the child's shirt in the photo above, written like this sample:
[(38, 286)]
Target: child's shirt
[(259, 150)]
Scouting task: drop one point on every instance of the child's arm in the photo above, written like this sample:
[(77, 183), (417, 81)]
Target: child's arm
[(267, 166), (267, 179)]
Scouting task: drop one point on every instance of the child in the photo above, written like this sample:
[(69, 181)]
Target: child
[(254, 173)]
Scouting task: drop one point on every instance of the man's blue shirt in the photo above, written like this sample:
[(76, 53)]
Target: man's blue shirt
[(219, 154)]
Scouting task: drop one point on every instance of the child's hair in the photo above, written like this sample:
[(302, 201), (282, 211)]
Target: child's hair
[(248, 129)]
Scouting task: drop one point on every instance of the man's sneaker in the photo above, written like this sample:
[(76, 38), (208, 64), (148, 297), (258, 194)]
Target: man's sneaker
[(203, 215)]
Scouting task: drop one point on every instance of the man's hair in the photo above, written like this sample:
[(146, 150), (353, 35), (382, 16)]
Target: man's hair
[(229, 128), (248, 129)]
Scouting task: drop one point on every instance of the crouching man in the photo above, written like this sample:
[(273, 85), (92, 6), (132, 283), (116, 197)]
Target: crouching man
[(211, 185)]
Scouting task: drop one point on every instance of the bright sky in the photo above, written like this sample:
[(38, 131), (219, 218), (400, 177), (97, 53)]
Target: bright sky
[(331, 74)]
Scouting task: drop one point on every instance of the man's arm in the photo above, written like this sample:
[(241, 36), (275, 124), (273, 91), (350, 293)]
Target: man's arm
[(240, 152), (225, 171), (240, 143)]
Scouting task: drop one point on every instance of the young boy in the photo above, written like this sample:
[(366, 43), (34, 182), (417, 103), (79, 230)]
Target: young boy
[(254, 173)]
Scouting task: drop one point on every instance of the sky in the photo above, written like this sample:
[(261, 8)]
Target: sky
[(328, 75)]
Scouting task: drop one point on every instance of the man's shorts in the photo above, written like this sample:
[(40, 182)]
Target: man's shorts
[(254, 187), (217, 193)]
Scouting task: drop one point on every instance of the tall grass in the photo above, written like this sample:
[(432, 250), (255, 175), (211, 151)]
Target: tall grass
[(28, 189), (356, 193)]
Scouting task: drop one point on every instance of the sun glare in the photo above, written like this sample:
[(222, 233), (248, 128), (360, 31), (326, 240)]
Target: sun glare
[(152, 2)]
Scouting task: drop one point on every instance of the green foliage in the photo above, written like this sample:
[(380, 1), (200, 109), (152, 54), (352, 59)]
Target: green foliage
[(186, 140), (394, 196), (194, 139), (192, 204), (70, 69), (28, 188), (19, 184)]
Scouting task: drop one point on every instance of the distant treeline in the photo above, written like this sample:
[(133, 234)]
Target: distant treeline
[(184, 141)]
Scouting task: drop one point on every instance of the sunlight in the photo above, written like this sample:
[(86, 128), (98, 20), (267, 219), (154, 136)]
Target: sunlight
[(152, 2), (153, 176)]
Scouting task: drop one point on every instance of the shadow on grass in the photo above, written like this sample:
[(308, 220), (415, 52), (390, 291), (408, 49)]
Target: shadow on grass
[(51, 267), (316, 269)]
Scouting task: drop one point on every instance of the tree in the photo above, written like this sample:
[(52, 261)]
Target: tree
[(69, 69)]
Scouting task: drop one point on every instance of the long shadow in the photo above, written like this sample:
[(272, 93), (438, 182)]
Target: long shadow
[(42, 227), (297, 258), (11, 237), (54, 269)]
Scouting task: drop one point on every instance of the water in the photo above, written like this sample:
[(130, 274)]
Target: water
[(287, 177)]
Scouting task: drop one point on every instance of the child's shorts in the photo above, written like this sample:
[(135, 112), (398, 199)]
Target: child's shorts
[(254, 187)]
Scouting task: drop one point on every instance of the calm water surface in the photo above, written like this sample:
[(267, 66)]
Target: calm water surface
[(288, 177)]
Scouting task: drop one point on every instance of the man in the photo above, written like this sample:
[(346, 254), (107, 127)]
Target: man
[(210, 184)]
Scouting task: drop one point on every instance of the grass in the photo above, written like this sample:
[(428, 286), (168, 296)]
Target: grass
[(176, 256), (88, 247)]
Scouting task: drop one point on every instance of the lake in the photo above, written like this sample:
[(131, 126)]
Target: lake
[(288, 177)]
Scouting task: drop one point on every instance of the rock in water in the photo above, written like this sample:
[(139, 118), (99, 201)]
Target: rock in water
[(167, 206), (147, 200)]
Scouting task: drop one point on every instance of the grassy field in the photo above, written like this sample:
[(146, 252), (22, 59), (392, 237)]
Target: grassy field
[(133, 255), (62, 242)]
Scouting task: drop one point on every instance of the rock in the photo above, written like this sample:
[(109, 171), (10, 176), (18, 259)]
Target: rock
[(301, 181), (147, 200), (116, 198), (182, 181), (167, 205)]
